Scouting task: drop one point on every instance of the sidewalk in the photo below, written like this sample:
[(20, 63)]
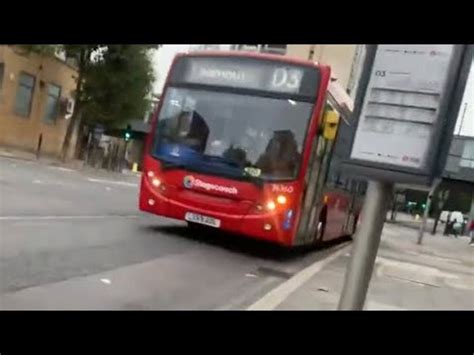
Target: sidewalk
[(30, 156), (74, 164), (438, 275), (410, 221)]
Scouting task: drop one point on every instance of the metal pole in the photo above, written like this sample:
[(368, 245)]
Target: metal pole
[(38, 149), (123, 162), (366, 244), (88, 146), (421, 231), (471, 218)]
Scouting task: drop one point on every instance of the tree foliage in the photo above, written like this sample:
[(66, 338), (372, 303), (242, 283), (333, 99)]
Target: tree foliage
[(113, 85), (117, 87)]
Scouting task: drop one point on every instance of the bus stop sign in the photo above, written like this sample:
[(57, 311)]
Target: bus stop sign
[(405, 111)]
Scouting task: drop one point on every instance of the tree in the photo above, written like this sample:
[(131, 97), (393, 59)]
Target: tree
[(82, 56), (113, 83), (117, 87)]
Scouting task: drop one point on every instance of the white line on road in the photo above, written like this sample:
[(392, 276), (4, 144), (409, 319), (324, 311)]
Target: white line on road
[(32, 218), (276, 296), (131, 184), (61, 168)]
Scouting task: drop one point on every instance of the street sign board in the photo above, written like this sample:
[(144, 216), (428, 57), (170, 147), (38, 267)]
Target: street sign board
[(405, 108)]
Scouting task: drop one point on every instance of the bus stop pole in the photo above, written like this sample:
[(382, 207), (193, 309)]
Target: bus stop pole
[(428, 202), (366, 244)]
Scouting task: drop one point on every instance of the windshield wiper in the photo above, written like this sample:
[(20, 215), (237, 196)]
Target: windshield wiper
[(255, 180), (213, 158), (167, 164), (243, 175)]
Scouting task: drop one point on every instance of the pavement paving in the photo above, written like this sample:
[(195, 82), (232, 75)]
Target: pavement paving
[(74, 239), (438, 275)]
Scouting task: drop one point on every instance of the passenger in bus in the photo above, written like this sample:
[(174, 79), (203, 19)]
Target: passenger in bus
[(236, 155), (281, 155)]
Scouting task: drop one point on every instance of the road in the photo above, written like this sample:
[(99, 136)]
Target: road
[(76, 240)]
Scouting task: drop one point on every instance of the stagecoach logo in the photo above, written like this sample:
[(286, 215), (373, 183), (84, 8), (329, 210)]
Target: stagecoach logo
[(190, 182)]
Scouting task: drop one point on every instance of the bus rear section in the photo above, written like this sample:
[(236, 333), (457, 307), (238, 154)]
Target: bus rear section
[(231, 143)]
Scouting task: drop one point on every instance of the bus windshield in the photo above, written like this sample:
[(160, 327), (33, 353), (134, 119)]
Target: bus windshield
[(241, 134)]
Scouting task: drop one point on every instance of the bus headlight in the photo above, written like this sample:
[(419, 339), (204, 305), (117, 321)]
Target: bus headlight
[(271, 205), (150, 174), (156, 182), (281, 199)]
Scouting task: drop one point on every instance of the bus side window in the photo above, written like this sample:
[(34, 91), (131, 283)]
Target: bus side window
[(362, 187)]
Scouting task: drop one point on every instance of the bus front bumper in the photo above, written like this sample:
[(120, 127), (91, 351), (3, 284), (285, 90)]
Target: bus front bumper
[(263, 226)]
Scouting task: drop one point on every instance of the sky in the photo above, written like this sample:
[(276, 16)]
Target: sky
[(162, 59)]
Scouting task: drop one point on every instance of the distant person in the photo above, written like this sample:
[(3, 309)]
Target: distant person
[(457, 228), (454, 224), (448, 225)]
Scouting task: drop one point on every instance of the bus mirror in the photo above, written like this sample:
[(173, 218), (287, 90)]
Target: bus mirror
[(331, 123)]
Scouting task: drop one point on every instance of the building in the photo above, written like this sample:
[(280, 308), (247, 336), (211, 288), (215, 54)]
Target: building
[(459, 170), (460, 164), (340, 57), (35, 99)]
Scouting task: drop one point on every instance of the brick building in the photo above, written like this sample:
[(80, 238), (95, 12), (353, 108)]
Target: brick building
[(34, 94)]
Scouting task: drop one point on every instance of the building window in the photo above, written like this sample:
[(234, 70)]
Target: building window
[(275, 48), (2, 72), (52, 103), (467, 158), (248, 47), (24, 95)]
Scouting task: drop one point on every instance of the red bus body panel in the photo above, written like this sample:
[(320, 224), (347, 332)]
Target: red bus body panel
[(238, 214)]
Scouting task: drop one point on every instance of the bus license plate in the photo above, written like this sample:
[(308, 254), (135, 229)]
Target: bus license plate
[(197, 218)]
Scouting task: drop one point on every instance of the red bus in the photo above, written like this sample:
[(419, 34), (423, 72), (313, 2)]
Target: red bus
[(244, 142)]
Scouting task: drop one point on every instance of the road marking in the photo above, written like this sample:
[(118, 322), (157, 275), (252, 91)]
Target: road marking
[(32, 218), (131, 184), (61, 168), (276, 296), (376, 306), (106, 281)]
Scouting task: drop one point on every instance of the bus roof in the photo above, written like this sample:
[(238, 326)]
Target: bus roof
[(256, 55)]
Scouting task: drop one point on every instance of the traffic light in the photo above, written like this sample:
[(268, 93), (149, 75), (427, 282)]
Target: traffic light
[(128, 133)]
